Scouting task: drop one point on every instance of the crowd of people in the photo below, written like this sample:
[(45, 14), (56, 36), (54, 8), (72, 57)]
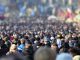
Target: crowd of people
[(40, 41)]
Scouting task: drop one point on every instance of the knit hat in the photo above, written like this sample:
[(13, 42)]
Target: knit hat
[(64, 56)]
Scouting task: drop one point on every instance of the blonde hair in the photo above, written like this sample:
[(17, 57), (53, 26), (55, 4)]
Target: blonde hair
[(13, 47), (76, 57)]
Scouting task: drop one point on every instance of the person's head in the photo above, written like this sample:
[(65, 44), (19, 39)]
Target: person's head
[(22, 41), (64, 56), (15, 36), (13, 47), (74, 51), (76, 57), (26, 36), (28, 44), (4, 38), (45, 53), (54, 46)]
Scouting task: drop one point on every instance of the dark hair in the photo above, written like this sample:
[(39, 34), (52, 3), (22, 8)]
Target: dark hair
[(54, 44), (74, 51)]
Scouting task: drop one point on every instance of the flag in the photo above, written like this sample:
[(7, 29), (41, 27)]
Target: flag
[(70, 2), (41, 9), (69, 13), (22, 11), (35, 8), (2, 9), (20, 3), (32, 13), (29, 10)]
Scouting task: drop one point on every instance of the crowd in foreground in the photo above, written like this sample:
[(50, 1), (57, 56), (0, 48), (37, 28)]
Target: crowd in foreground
[(44, 41)]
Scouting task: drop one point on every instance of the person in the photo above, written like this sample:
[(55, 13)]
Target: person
[(3, 48), (64, 56), (45, 53), (54, 46), (65, 47), (76, 57), (47, 43), (13, 50), (36, 45), (74, 51), (21, 46), (12, 57), (28, 51), (6, 41), (58, 41)]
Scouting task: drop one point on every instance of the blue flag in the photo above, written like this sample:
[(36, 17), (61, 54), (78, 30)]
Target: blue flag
[(22, 11), (2, 9), (33, 13), (41, 8)]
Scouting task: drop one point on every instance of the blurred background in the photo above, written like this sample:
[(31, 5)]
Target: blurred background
[(14, 10)]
